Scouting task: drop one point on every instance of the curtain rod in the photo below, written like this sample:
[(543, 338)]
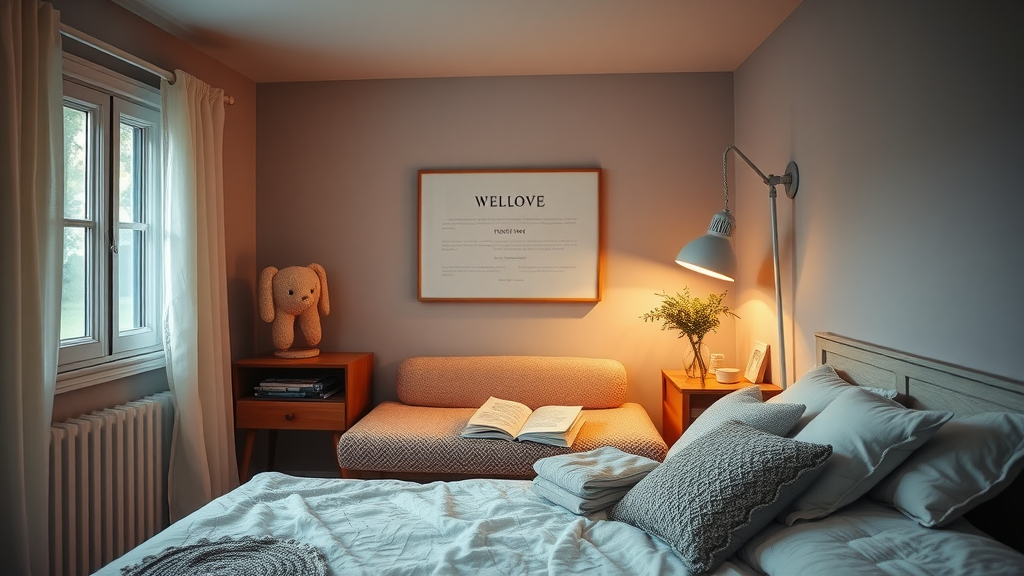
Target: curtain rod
[(102, 46)]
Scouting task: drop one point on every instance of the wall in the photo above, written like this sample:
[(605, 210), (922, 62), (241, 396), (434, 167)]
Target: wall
[(113, 24), (337, 185), (906, 121)]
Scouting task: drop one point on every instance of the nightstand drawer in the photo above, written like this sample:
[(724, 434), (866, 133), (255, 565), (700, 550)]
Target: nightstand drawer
[(290, 415)]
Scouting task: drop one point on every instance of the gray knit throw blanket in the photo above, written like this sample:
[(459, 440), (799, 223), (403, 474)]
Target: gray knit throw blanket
[(249, 556)]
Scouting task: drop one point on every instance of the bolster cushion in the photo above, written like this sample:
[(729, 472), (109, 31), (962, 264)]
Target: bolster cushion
[(468, 381)]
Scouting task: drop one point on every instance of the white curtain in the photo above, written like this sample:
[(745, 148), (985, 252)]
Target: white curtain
[(196, 341), (31, 244)]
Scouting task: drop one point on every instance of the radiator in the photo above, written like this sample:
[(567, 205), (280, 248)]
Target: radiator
[(108, 475)]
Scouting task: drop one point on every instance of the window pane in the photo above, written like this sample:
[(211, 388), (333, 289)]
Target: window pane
[(129, 279), (130, 174), (76, 154), (74, 322)]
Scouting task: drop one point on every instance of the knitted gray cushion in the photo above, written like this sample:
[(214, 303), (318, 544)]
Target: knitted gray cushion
[(720, 490), (228, 557), (744, 405)]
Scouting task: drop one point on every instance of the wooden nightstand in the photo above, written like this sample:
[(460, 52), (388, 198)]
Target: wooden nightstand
[(335, 413), (681, 397)]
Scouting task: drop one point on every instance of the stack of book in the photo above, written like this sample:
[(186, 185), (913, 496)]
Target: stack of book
[(297, 387)]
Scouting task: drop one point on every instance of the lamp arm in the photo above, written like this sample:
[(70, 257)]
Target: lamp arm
[(747, 160), (788, 180)]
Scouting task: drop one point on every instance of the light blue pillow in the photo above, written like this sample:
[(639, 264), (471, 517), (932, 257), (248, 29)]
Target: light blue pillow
[(968, 461), (720, 490), (743, 405), (815, 390), (870, 436)]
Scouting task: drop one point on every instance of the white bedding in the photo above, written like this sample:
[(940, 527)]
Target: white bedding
[(869, 539), (502, 527), (394, 527)]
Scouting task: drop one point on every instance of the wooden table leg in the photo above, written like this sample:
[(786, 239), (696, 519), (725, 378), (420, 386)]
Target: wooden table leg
[(243, 468), (271, 448)]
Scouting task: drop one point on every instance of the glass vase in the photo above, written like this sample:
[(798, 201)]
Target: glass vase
[(696, 364)]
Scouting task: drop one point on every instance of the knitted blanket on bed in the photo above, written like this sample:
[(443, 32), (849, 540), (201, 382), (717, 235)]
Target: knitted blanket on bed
[(229, 556)]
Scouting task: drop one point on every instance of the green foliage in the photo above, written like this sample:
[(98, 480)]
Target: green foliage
[(692, 316)]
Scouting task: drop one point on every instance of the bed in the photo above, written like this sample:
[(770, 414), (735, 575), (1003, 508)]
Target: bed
[(891, 524)]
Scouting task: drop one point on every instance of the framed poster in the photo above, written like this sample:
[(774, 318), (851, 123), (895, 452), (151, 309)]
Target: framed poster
[(510, 235)]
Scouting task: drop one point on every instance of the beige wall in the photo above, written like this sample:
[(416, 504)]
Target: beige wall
[(111, 23), (906, 121), (336, 184)]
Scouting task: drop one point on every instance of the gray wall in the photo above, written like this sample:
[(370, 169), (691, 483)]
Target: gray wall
[(336, 185), (906, 120)]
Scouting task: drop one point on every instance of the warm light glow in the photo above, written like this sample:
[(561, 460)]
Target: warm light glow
[(705, 271)]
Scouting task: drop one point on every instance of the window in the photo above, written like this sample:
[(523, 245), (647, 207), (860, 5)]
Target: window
[(111, 298)]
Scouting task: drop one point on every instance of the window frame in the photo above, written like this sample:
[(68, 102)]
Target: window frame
[(148, 120), (93, 343), (109, 354)]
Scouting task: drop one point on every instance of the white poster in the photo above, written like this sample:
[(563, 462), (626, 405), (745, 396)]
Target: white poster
[(510, 235)]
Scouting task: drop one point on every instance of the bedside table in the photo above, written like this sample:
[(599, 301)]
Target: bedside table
[(335, 413), (682, 396)]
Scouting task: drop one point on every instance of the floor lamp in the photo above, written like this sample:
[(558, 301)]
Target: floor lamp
[(712, 253)]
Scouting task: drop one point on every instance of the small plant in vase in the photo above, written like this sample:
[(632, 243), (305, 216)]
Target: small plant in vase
[(693, 317)]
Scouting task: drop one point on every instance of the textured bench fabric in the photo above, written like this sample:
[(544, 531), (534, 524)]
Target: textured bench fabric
[(395, 437), (438, 395)]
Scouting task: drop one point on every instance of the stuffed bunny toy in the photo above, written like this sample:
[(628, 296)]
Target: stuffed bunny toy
[(296, 292)]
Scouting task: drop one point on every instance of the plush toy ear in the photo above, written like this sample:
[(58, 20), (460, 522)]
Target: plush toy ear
[(266, 293), (324, 305)]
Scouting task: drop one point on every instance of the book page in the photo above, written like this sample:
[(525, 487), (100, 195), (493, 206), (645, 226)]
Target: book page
[(551, 419), (570, 436), (501, 414)]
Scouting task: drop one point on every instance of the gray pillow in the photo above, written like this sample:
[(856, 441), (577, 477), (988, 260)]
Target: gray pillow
[(870, 436), (968, 461), (815, 390), (743, 405), (720, 490)]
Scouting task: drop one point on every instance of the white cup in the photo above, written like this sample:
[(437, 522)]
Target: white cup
[(727, 375)]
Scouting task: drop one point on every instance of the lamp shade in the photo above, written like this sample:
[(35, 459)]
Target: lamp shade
[(712, 253)]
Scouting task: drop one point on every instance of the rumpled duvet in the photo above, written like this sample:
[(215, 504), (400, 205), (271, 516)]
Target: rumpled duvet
[(391, 527), (869, 539)]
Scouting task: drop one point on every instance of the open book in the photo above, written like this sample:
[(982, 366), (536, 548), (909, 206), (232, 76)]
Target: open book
[(507, 420)]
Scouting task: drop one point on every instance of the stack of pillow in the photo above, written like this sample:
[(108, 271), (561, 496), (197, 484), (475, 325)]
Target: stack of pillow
[(818, 446), (932, 466), (729, 474), (586, 482)]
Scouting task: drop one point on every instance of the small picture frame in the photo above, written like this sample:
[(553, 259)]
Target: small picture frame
[(757, 363)]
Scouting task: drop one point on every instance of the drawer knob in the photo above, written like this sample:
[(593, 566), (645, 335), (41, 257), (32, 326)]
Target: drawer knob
[(289, 416)]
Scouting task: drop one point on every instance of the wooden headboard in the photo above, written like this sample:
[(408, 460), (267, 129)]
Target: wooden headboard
[(921, 383)]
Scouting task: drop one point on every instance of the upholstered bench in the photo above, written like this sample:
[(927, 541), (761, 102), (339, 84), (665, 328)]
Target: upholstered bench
[(418, 437)]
